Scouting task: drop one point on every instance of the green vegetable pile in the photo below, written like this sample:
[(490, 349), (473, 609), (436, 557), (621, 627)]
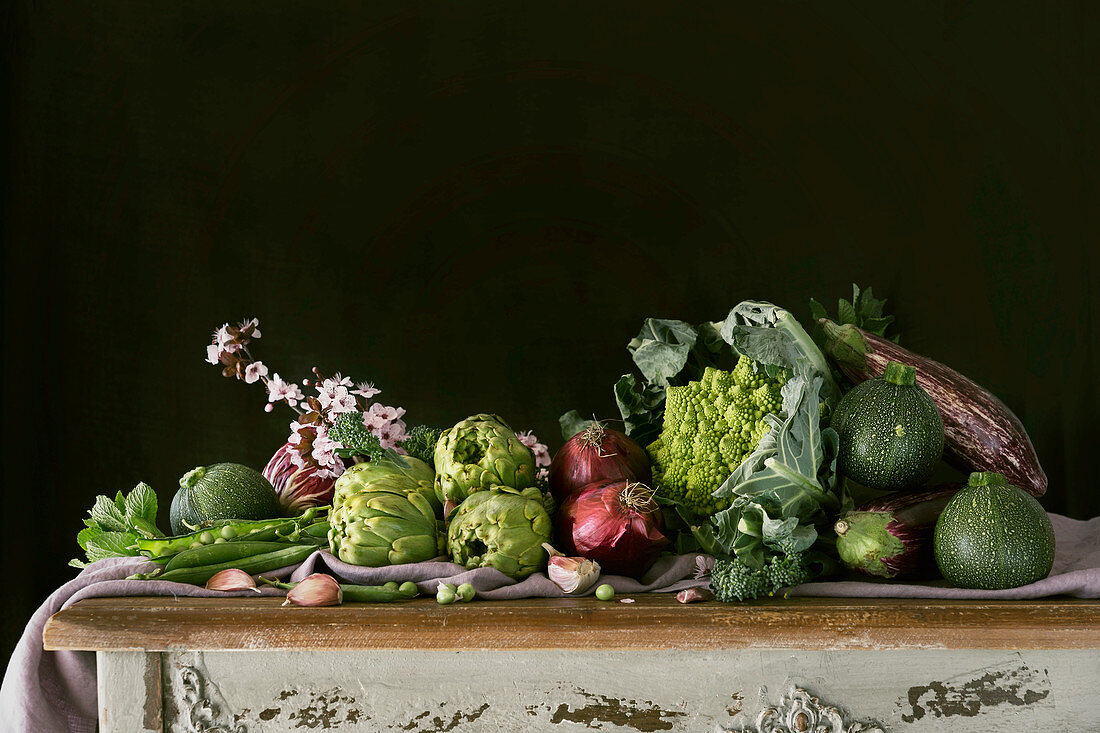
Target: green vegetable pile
[(744, 456), (743, 422)]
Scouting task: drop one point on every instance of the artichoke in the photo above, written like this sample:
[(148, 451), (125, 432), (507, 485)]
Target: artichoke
[(415, 477), (502, 528), (479, 452), (381, 515)]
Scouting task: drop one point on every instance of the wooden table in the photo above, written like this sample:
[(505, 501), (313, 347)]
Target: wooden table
[(249, 664)]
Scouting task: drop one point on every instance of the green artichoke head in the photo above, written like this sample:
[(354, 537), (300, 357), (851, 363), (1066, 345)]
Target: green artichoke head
[(384, 517), (479, 452), (503, 528), (415, 477)]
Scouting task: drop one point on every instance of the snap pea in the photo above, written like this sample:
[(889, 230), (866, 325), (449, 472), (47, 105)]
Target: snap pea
[(233, 530), (214, 554), (318, 530), (378, 593), (365, 593), (262, 563)]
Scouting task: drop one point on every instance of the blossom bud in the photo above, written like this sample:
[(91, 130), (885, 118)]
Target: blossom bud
[(318, 589), (231, 579), (573, 575)]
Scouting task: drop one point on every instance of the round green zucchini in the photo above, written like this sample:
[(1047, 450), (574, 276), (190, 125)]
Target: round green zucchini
[(222, 491), (891, 433), (993, 535)]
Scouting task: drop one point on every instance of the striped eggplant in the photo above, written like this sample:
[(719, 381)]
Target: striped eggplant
[(980, 432), (891, 536)]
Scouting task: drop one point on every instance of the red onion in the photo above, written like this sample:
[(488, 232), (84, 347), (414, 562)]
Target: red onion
[(597, 454), (616, 523), (297, 488)]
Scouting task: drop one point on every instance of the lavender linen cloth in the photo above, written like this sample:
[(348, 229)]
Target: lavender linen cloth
[(56, 691)]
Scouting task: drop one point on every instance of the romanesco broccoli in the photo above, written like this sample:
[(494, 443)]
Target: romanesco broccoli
[(732, 580), (710, 427)]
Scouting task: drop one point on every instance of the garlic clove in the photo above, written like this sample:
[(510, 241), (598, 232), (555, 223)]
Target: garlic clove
[(231, 579), (571, 574), (693, 595), (316, 590)]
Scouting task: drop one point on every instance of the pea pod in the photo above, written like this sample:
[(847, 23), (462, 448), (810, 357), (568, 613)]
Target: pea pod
[(214, 554), (318, 530), (365, 593), (231, 530), (286, 555)]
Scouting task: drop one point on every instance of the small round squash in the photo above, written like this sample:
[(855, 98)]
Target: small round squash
[(993, 535), (891, 433)]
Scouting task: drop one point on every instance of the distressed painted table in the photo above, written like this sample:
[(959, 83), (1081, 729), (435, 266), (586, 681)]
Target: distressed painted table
[(248, 664)]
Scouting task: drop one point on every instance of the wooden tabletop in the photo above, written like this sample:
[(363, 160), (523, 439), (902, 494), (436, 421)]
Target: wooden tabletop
[(653, 621)]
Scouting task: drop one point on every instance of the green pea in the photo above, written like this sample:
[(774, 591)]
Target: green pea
[(465, 592), (445, 596), (605, 592), (392, 585), (408, 588), (195, 544), (228, 532), (219, 541), (206, 538)]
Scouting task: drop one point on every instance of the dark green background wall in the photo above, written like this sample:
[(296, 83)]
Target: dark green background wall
[(474, 205)]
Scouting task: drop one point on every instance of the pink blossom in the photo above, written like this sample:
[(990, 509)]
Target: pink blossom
[(254, 371), (335, 398), (342, 403), (383, 414), (542, 453), (224, 340), (296, 429), (366, 390), (324, 453), (392, 433), (213, 354), (542, 475), (251, 322), (296, 457), (277, 390), (337, 380)]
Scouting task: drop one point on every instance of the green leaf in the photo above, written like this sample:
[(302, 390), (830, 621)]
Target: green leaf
[(641, 407), (141, 503), (865, 311), (817, 311), (572, 423), (86, 534), (846, 313), (120, 502), (74, 563), (112, 544), (108, 515), (869, 306), (876, 325), (661, 349)]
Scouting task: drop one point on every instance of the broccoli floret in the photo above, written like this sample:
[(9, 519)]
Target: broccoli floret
[(421, 443), (732, 580), (710, 427), (356, 438)]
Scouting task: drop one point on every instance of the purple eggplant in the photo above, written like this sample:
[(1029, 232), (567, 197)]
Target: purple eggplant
[(980, 432), (891, 536)]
